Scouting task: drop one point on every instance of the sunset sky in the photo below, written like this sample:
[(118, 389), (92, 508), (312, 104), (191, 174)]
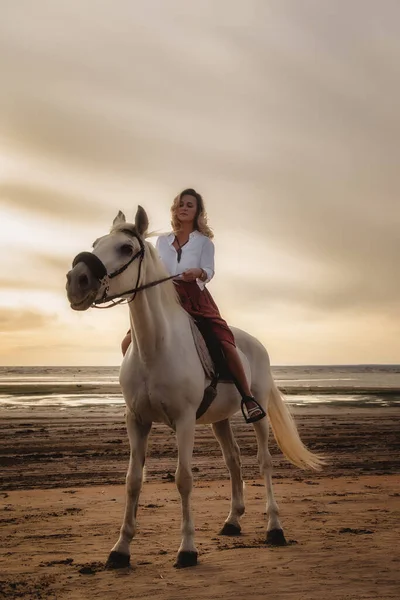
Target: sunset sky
[(284, 114)]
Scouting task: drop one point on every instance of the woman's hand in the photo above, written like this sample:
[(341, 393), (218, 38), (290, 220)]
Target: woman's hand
[(191, 274)]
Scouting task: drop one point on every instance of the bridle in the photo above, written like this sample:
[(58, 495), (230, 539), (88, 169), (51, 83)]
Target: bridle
[(99, 271)]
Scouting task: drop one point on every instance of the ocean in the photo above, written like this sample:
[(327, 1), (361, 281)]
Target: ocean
[(59, 388)]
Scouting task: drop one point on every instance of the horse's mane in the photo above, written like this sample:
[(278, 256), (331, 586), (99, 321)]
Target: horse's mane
[(152, 264)]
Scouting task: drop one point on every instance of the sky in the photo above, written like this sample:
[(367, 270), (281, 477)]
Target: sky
[(283, 114)]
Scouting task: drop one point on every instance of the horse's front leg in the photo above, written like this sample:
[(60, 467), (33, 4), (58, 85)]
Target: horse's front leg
[(138, 435), (187, 554)]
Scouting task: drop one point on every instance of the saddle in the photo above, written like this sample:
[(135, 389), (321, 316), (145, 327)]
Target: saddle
[(212, 359)]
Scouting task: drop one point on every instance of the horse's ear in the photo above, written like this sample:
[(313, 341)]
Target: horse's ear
[(120, 218), (141, 221)]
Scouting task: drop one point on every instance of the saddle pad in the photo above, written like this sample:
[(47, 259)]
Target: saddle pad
[(202, 351)]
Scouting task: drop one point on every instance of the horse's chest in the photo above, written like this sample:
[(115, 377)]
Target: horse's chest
[(157, 392), (141, 382)]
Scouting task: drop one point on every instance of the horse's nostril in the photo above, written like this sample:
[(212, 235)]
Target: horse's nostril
[(69, 276), (83, 280)]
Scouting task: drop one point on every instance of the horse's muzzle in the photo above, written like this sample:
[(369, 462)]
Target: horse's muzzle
[(84, 281)]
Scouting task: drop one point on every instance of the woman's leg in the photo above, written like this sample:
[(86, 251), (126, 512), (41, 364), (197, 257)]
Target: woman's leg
[(201, 306), (125, 343), (235, 366)]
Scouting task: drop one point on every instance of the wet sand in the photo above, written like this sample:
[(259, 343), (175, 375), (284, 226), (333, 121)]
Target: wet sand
[(62, 498)]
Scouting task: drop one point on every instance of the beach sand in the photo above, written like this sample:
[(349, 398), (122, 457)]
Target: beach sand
[(62, 498)]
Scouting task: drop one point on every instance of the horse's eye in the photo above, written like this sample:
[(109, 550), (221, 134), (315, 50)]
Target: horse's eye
[(126, 250)]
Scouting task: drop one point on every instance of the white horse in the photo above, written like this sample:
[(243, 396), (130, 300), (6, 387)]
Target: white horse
[(163, 381)]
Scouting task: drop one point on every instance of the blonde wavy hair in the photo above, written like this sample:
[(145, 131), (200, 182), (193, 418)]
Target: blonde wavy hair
[(200, 222)]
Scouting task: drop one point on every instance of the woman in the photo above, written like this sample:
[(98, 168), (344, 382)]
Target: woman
[(188, 253)]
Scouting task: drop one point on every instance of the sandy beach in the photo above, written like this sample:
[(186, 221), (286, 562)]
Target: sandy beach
[(62, 499)]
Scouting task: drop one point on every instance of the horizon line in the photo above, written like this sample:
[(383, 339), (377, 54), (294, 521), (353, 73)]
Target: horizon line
[(378, 364)]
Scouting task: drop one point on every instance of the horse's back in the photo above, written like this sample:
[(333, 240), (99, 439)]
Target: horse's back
[(250, 345), (257, 357)]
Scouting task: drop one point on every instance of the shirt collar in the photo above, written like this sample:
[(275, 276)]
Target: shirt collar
[(171, 236)]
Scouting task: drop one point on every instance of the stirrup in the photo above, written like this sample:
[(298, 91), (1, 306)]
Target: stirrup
[(247, 417)]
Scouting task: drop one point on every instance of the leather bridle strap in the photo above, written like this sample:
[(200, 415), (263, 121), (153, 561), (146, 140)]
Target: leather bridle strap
[(97, 268), (99, 271), (126, 265)]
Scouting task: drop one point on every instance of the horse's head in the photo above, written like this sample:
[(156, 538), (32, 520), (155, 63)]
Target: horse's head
[(112, 266)]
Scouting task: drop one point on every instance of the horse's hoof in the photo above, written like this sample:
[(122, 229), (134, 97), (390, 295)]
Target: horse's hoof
[(229, 529), (275, 537), (117, 560), (186, 559)]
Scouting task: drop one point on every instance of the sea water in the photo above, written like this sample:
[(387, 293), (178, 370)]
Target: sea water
[(62, 387)]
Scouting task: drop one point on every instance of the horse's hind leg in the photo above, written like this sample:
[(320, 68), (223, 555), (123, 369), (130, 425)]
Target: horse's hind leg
[(230, 449), (138, 434), (275, 536)]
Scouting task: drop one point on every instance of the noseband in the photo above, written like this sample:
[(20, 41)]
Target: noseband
[(99, 271)]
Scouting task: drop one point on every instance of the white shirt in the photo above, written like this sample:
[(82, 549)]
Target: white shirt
[(197, 253)]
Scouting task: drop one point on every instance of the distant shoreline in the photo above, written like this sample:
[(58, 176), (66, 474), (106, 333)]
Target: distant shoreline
[(38, 389), (273, 366)]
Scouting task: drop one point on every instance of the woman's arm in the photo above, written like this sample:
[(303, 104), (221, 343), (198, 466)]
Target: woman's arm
[(205, 272), (207, 262)]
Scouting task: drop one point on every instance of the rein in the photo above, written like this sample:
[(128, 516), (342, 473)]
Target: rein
[(134, 291)]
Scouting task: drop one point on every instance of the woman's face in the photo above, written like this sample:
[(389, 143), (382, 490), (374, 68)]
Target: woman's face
[(187, 208)]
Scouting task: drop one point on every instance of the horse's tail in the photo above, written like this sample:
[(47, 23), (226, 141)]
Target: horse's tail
[(287, 436)]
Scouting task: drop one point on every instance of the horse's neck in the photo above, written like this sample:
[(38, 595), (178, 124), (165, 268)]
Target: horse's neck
[(156, 326)]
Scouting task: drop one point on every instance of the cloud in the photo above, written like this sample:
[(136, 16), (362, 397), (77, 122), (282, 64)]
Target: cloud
[(37, 271), (283, 114), (27, 284), (23, 320), (51, 262), (316, 297), (238, 91), (55, 203)]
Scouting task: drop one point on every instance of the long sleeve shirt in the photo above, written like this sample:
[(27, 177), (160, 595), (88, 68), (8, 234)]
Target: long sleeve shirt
[(197, 253)]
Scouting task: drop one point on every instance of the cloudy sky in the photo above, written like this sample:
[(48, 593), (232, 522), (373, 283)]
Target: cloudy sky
[(284, 114)]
